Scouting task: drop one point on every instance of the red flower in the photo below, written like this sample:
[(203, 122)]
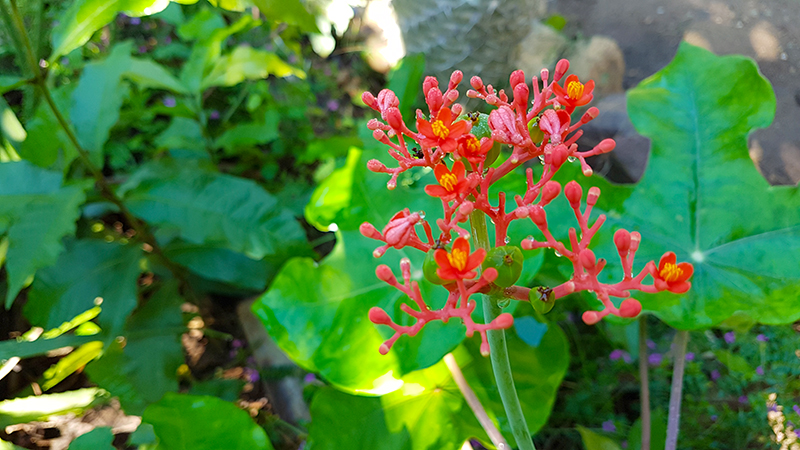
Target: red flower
[(671, 276), (441, 131), (554, 125), (576, 93), (473, 149), (458, 264), (451, 182)]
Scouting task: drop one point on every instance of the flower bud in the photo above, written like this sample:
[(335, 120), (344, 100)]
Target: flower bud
[(606, 145), (434, 99), (384, 348), (550, 191), (405, 265), (455, 79), (594, 194), (538, 216), (516, 78), (376, 166), (393, 117), (590, 114), (504, 321), (384, 273), (561, 68), (369, 100), (489, 274), (373, 124), (573, 192), (630, 308), (476, 83), (369, 230), (528, 243), (466, 208), (484, 349), (521, 94), (587, 259), (457, 109), (379, 316), (560, 154), (622, 239), (591, 317), (428, 84), (387, 99), (636, 238)]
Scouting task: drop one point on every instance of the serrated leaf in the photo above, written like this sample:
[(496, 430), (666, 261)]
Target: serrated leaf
[(248, 63), (98, 439), (88, 269), (84, 17), (40, 407), (36, 212), (207, 207), (702, 197), (144, 369), (288, 11), (190, 422)]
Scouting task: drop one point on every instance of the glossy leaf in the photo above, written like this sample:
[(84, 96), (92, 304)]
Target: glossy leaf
[(142, 370), (97, 439), (40, 407), (84, 17), (248, 63), (190, 422), (702, 197), (36, 212), (207, 207), (88, 269)]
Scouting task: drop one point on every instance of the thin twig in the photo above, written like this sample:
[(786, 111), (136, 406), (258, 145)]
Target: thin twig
[(644, 383), (475, 404), (679, 355)]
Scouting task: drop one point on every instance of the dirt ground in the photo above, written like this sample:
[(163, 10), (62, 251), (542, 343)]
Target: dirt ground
[(649, 31)]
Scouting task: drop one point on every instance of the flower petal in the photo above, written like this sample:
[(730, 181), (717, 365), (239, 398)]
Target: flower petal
[(434, 190), (687, 270), (440, 256), (461, 244), (458, 170), (667, 258)]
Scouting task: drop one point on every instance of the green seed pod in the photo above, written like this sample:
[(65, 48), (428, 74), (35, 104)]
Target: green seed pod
[(533, 130), (492, 154), (542, 299), (507, 260), (429, 267), (480, 125)]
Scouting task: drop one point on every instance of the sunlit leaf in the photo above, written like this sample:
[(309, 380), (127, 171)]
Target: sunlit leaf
[(40, 407), (69, 364), (292, 12), (248, 63)]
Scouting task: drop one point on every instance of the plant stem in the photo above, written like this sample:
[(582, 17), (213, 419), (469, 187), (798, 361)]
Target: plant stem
[(644, 383), (501, 366), (474, 404), (679, 355)]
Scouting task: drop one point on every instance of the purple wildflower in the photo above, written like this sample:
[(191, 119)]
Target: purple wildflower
[(142, 49), (650, 344), (626, 357), (214, 115), (135, 21), (655, 359), (332, 105), (615, 355), (762, 338), (310, 378), (609, 427), (796, 409), (715, 375), (730, 337), (743, 399), (714, 418), (624, 444), (170, 102), (252, 375), (168, 40), (760, 370), (690, 356)]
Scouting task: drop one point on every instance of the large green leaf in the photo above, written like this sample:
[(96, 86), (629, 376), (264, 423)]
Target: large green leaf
[(248, 63), (88, 269), (36, 211), (223, 265), (47, 144), (142, 370), (149, 74), (97, 439), (190, 422), (84, 17), (207, 207), (702, 197)]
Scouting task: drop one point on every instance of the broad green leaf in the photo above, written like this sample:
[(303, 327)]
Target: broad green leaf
[(223, 265), (97, 439), (36, 212), (292, 12), (250, 134), (332, 147), (98, 98), (405, 81), (9, 82), (84, 17), (40, 407), (149, 74), (735, 363), (202, 25), (207, 207), (47, 144), (69, 364), (595, 441), (248, 63), (142, 370), (334, 194), (89, 269), (189, 422), (183, 138), (702, 197)]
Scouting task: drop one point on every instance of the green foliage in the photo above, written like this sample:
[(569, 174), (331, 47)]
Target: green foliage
[(183, 422), (595, 441), (97, 439), (40, 407)]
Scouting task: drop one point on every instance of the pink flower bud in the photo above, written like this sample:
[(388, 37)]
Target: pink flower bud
[(452, 96), (504, 321), (561, 68), (636, 238), (369, 100), (434, 99), (489, 274), (466, 208), (606, 145), (405, 265), (630, 308), (384, 348), (457, 109), (538, 216), (559, 155), (393, 117), (476, 83), (587, 171), (590, 317), (516, 78), (521, 94), (573, 192), (484, 349), (376, 166), (528, 243), (384, 273), (591, 198), (550, 191), (590, 115), (368, 230), (373, 124), (587, 259), (428, 84), (455, 79), (622, 239), (379, 316), (387, 99)]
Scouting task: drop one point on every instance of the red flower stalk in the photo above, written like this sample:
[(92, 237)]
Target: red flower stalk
[(442, 131), (574, 93)]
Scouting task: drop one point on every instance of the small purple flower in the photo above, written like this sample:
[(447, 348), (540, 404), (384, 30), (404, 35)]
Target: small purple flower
[(310, 378), (690, 356), (236, 343), (714, 418), (624, 444), (743, 399), (64, 61), (252, 375), (762, 338), (615, 355), (292, 58), (715, 375), (332, 105), (655, 359), (214, 115), (760, 370), (170, 102), (730, 337), (135, 21), (796, 409), (168, 40), (626, 357), (142, 49), (609, 427), (650, 344)]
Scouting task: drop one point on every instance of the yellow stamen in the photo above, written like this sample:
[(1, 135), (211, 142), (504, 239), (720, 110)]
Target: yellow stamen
[(575, 90), (473, 146), (440, 130), (670, 272), (458, 259), (448, 181)]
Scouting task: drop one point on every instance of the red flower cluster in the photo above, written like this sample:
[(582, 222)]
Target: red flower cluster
[(537, 124)]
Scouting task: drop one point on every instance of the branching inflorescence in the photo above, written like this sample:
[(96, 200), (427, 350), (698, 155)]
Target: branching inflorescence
[(536, 124)]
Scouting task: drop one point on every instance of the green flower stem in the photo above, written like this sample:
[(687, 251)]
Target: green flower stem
[(674, 420), (501, 366), (644, 383)]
